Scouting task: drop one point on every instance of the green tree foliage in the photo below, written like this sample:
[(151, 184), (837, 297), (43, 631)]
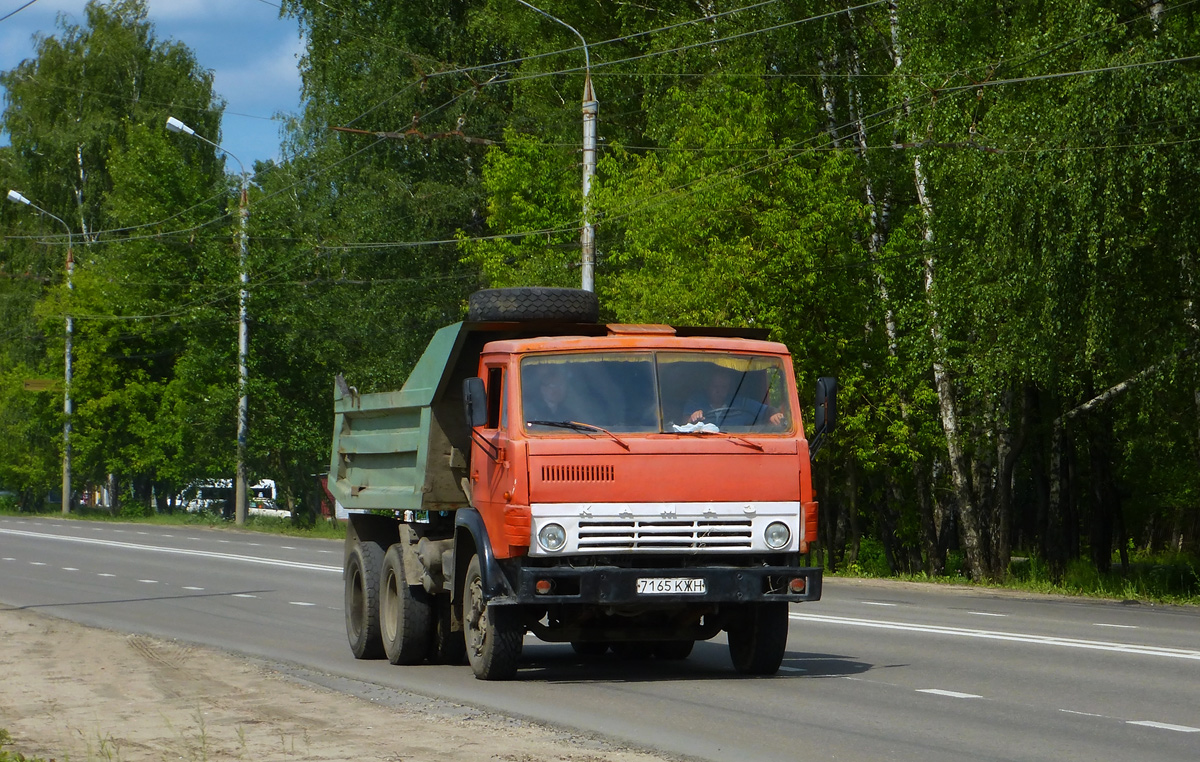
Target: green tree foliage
[(86, 121)]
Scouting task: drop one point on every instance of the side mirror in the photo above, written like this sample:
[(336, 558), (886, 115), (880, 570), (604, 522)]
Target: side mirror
[(475, 402), (826, 404)]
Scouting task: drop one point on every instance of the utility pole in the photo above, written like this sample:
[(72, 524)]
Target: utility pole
[(591, 107), (67, 407), (240, 486)]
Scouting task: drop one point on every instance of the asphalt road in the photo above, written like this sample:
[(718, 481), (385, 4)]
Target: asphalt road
[(874, 671)]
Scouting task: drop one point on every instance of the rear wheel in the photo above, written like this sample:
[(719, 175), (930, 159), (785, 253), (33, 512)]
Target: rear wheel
[(492, 634), (758, 640), (362, 600), (405, 613)]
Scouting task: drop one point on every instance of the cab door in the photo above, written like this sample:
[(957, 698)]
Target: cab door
[(492, 479)]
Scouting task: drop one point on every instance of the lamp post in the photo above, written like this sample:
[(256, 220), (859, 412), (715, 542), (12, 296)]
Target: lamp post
[(67, 409), (174, 125), (591, 107)]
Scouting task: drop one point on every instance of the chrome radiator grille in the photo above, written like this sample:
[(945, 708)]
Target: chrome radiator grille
[(612, 533)]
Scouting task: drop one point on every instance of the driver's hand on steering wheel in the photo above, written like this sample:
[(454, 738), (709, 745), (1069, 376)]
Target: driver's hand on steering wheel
[(696, 416), (777, 419)]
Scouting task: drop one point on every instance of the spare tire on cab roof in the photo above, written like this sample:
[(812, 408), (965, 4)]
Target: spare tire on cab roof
[(569, 305)]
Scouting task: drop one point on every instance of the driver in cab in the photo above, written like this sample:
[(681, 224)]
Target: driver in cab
[(723, 399)]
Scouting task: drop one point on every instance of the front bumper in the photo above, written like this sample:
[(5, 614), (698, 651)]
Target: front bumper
[(610, 585)]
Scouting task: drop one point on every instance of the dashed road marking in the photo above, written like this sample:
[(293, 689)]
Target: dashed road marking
[(36, 563), (69, 568), (792, 669), (876, 603), (948, 694), (104, 574), (244, 595), (986, 613), (1116, 626), (1081, 714), (178, 551), (192, 587), (149, 581), (1163, 726), (1014, 637), (301, 603)]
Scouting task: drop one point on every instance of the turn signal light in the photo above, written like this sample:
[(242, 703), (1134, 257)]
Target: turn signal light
[(797, 585), (543, 586)]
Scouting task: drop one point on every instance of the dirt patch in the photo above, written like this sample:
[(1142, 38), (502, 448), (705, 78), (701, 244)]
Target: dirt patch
[(69, 692)]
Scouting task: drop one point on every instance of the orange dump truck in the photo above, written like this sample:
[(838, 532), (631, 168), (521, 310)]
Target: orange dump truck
[(626, 487)]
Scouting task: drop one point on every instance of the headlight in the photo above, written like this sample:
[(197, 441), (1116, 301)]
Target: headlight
[(777, 535), (553, 537)]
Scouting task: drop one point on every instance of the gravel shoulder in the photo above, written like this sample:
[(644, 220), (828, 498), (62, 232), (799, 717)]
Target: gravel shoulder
[(71, 692)]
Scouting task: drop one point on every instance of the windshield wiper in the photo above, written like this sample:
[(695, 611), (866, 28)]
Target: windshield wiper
[(580, 427), (722, 435)]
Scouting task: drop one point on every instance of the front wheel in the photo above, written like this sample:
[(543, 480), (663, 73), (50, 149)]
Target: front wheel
[(758, 640), (492, 634)]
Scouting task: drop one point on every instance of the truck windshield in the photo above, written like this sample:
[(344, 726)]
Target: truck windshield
[(655, 392)]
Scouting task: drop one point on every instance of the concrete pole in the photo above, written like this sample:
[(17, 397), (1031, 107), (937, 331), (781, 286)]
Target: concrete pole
[(70, 330), (587, 236), (240, 487)]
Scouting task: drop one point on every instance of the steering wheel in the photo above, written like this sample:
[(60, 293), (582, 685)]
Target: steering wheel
[(732, 416)]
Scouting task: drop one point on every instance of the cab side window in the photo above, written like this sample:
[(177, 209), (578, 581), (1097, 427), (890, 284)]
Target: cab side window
[(495, 397)]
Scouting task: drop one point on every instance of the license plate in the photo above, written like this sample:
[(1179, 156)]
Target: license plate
[(671, 586)]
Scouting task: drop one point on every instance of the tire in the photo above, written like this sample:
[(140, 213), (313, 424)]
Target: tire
[(674, 650), (757, 642), (590, 649), (570, 305), (362, 600), (492, 634), (448, 646), (405, 613)]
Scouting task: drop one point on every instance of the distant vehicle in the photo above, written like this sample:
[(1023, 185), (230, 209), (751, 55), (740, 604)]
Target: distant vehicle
[(217, 495)]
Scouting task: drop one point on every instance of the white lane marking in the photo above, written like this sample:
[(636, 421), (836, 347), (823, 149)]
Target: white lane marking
[(244, 595), (301, 603), (948, 694), (146, 533), (1015, 637), (9, 558), (1116, 626), (1163, 726), (104, 574), (255, 544), (177, 551), (192, 587), (1082, 714), (149, 581), (875, 603), (287, 547), (36, 563), (327, 551), (792, 669), (69, 568), (986, 613)]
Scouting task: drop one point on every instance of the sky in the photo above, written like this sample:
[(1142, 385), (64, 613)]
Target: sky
[(253, 53)]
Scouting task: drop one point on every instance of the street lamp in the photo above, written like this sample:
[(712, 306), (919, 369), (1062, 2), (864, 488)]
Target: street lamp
[(66, 474), (174, 125), (587, 238)]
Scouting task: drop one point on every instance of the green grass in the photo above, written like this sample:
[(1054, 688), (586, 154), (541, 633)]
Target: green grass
[(294, 527), (1163, 577), (13, 756)]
